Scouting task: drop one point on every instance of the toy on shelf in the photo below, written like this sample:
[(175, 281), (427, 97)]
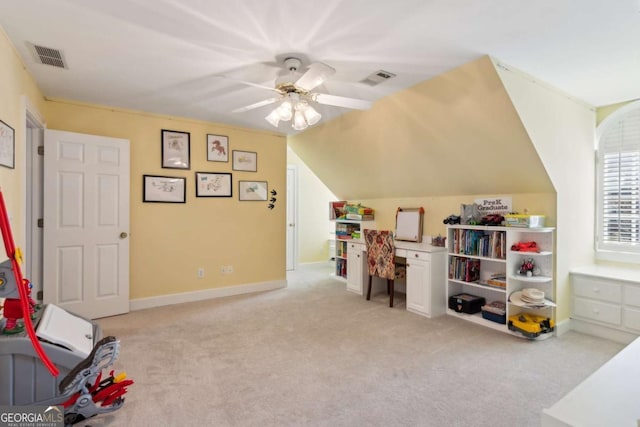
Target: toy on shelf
[(528, 268), (525, 247), (530, 325), (452, 219), (492, 219)]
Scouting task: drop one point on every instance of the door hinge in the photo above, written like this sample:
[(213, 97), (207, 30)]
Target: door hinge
[(40, 150), (40, 222)]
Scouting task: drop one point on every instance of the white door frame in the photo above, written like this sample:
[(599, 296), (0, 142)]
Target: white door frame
[(292, 223), (33, 131)]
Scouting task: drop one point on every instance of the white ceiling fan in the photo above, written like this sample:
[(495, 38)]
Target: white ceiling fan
[(294, 95)]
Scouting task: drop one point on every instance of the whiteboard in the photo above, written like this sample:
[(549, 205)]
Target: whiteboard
[(409, 225)]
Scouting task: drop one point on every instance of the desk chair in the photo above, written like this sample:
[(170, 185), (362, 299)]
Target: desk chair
[(381, 259)]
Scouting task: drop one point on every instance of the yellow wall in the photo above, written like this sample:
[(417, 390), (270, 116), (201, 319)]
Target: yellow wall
[(15, 82), (169, 242), (313, 224), (455, 134)]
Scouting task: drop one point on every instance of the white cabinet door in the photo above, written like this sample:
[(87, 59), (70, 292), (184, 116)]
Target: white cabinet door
[(355, 266), (418, 286)]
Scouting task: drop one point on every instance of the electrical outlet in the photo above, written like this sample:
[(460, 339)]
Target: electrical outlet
[(226, 269), (200, 273)]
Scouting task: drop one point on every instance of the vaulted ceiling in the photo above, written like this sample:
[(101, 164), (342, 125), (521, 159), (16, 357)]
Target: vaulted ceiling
[(185, 57)]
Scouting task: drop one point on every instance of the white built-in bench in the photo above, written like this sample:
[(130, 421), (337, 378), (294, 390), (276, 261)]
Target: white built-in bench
[(605, 301), (609, 397)]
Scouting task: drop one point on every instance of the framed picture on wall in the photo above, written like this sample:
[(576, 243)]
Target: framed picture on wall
[(175, 149), (7, 146), (163, 189), (217, 148), (252, 190), (210, 184), (245, 161)]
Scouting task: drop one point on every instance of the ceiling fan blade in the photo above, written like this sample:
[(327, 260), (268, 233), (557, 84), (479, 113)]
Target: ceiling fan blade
[(315, 76), (251, 84), (256, 105), (341, 101)]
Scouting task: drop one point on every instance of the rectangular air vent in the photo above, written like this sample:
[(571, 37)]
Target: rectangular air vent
[(47, 55), (378, 77)]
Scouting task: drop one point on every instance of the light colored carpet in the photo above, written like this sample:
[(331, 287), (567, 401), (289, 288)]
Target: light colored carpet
[(314, 354)]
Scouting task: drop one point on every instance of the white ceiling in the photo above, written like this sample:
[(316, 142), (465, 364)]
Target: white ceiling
[(165, 56)]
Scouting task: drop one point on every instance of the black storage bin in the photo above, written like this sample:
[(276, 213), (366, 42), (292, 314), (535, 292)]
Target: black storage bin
[(466, 303)]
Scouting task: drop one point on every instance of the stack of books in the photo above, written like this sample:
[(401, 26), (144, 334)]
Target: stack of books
[(359, 213), (498, 280), (360, 217)]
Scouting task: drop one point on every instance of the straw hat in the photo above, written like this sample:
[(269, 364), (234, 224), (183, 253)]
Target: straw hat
[(530, 297)]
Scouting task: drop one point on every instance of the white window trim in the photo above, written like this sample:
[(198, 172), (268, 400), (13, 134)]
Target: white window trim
[(609, 252)]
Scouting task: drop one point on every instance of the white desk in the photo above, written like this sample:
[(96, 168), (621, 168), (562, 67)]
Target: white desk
[(425, 281), (609, 397)]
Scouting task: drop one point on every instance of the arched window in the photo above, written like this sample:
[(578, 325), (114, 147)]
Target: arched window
[(618, 186)]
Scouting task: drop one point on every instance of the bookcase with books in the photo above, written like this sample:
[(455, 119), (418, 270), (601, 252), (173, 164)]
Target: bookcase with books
[(484, 262), (348, 230)]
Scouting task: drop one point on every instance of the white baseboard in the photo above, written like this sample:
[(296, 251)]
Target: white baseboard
[(311, 263), (162, 300), (563, 327), (602, 331)]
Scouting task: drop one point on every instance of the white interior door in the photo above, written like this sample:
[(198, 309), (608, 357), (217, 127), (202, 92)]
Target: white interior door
[(292, 201), (86, 223)]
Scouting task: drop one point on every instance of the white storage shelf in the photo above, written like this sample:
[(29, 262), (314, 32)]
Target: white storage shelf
[(344, 229), (503, 261)]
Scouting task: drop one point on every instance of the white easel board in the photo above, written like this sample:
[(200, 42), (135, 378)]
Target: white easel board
[(409, 224)]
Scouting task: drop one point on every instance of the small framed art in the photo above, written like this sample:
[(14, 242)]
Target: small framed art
[(175, 149), (252, 190), (217, 148), (7, 146), (211, 184), (163, 189), (245, 161)]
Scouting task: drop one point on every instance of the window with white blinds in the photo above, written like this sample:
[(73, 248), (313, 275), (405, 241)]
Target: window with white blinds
[(619, 183)]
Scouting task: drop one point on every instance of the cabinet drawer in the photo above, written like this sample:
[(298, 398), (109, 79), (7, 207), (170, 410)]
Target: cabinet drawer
[(599, 311), (632, 318), (596, 288), (355, 247), (401, 253), (632, 295), (424, 256)]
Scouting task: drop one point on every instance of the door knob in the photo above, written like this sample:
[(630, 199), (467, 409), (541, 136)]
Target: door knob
[(123, 235)]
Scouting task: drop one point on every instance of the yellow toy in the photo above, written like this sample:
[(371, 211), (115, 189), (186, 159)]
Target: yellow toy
[(531, 325)]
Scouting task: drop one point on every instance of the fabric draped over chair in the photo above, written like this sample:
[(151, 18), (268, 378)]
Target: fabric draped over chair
[(381, 259)]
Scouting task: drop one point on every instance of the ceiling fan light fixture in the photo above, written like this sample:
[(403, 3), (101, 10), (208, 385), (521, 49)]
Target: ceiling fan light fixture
[(285, 110), (311, 115), (273, 117), (299, 122)]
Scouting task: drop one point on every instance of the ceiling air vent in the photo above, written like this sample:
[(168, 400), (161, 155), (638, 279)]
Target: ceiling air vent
[(47, 55), (378, 77)]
